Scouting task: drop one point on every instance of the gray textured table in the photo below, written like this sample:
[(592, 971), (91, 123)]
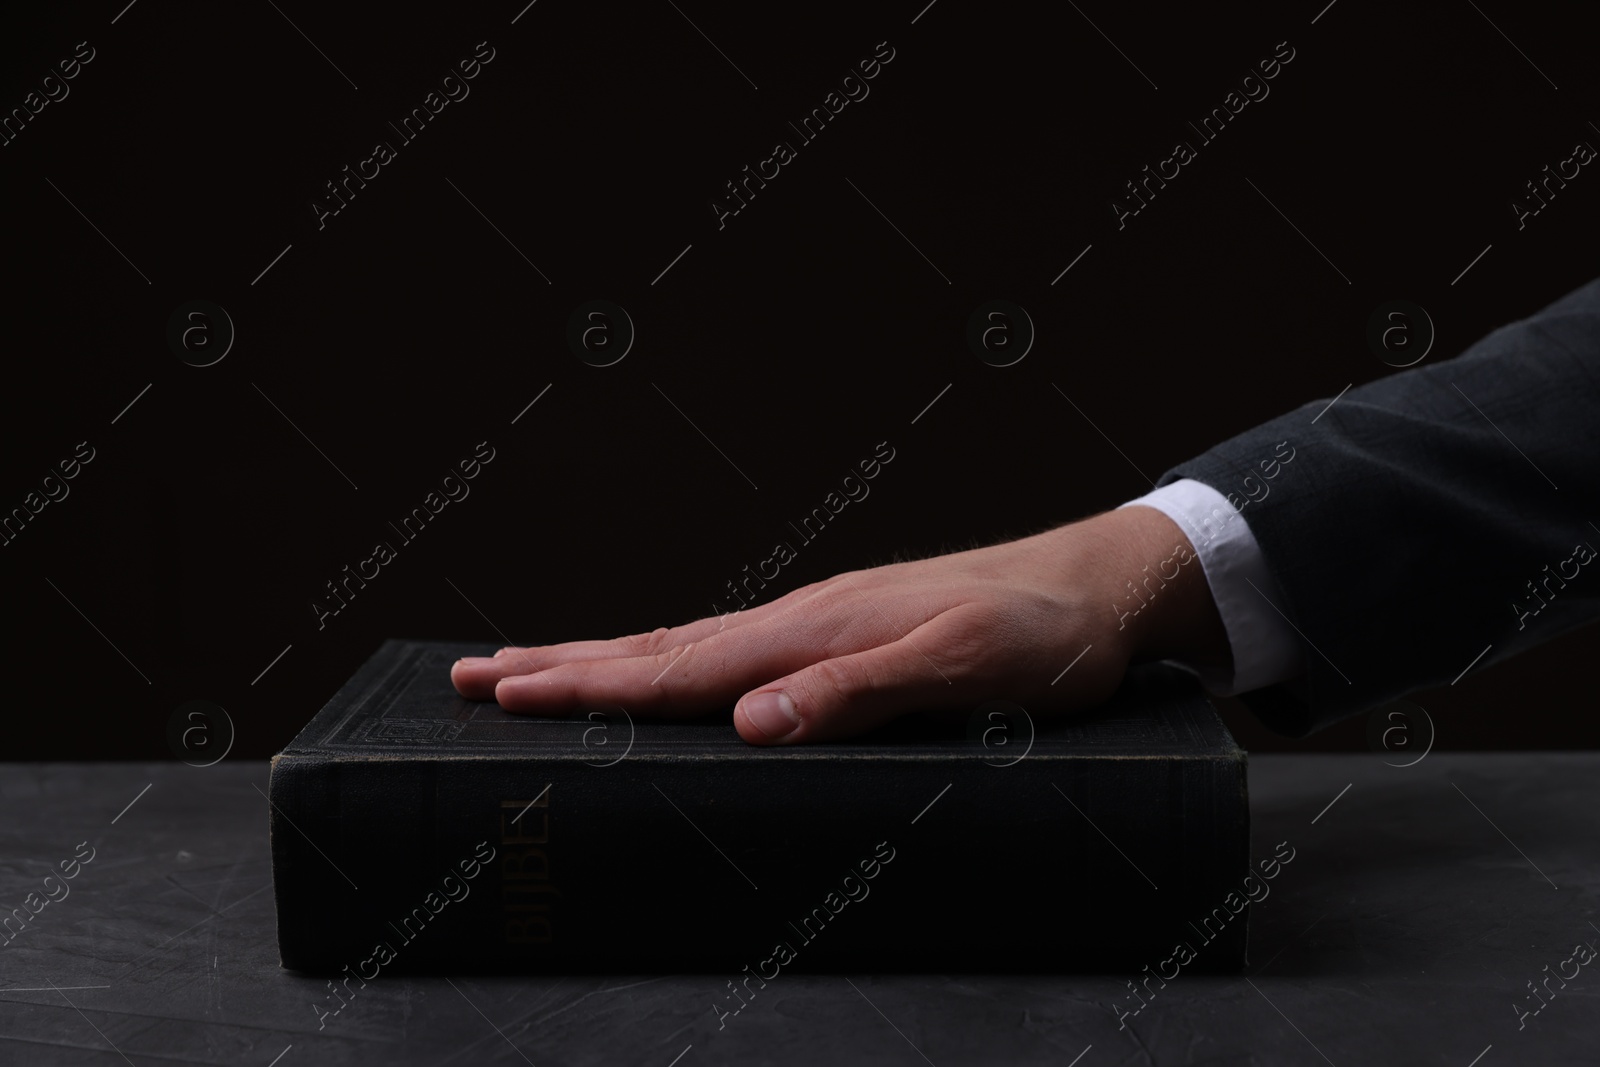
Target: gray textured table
[(1421, 903)]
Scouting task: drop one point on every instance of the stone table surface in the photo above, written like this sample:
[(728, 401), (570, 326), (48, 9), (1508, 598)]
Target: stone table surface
[(1422, 905)]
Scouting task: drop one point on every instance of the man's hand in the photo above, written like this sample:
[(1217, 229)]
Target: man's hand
[(838, 657)]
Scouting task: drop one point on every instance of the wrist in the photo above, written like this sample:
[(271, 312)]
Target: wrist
[(1156, 597)]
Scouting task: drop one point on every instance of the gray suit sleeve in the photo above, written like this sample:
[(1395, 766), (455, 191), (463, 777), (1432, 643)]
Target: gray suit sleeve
[(1431, 515)]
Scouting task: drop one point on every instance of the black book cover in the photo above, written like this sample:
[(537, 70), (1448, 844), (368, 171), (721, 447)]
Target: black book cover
[(412, 828)]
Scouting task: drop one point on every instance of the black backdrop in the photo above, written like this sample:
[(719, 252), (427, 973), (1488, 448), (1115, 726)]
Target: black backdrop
[(375, 352)]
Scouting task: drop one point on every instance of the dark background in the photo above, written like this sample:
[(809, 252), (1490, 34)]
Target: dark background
[(796, 338)]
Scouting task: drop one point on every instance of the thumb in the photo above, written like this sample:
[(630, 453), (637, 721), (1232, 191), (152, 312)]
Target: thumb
[(848, 695)]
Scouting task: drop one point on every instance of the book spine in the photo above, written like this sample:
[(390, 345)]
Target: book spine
[(669, 861)]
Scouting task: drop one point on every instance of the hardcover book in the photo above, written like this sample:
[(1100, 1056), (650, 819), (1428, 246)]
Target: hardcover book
[(412, 828)]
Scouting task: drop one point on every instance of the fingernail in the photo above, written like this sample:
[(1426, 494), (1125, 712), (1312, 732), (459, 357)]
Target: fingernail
[(500, 653), (473, 661), (772, 713)]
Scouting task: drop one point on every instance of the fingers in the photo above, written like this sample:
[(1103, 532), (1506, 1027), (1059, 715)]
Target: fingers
[(851, 694), (713, 670), (676, 680), (475, 677)]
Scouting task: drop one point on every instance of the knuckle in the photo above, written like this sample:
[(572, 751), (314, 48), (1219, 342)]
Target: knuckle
[(520, 660), (831, 603), (835, 589), (654, 643), (969, 640), (835, 681)]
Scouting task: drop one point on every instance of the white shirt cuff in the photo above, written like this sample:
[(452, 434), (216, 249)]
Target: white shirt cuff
[(1266, 649)]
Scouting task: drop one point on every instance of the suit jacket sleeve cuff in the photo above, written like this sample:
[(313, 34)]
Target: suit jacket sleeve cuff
[(1265, 648)]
